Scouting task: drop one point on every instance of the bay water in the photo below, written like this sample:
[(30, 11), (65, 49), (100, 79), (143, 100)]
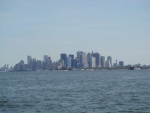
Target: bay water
[(88, 91)]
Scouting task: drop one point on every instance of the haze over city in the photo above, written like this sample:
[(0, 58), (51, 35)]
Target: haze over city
[(118, 28)]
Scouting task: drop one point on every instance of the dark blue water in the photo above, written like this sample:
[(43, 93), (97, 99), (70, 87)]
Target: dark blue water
[(107, 91)]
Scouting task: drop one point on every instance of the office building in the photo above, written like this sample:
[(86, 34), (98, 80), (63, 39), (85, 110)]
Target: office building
[(79, 53), (29, 62), (102, 61), (38, 65), (63, 57), (69, 62), (97, 58), (33, 64), (75, 63), (93, 62), (47, 62), (107, 64), (83, 59), (89, 59), (72, 56), (121, 63), (109, 58)]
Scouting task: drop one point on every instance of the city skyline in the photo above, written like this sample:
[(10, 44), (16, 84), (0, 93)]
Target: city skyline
[(64, 56), (41, 58), (81, 60), (116, 28)]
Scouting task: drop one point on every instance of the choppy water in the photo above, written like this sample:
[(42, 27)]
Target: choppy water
[(114, 91)]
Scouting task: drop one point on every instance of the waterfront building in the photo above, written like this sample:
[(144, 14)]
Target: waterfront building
[(20, 66), (97, 58), (45, 58), (84, 63), (116, 64), (109, 58), (75, 63), (29, 62), (102, 61), (121, 63), (47, 62), (69, 62), (93, 62), (72, 60), (79, 53), (108, 64), (38, 65), (29, 59), (62, 62), (57, 65), (63, 57), (89, 59), (72, 56), (34, 64)]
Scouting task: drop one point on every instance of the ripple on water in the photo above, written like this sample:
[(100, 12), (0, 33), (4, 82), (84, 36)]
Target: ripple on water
[(75, 92)]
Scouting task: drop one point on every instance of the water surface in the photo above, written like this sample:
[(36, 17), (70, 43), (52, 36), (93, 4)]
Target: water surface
[(100, 91)]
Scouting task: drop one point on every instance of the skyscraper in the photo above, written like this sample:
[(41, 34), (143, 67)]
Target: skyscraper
[(29, 62), (84, 61), (45, 58), (63, 57), (93, 62), (72, 60), (97, 58), (38, 65), (107, 64), (72, 56), (47, 62), (69, 62), (79, 53), (89, 59), (121, 63), (102, 61), (109, 59), (34, 64)]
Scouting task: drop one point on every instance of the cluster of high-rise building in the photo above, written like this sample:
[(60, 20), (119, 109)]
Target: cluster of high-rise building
[(5, 68), (82, 60)]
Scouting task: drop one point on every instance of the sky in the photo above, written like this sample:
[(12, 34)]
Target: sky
[(119, 28)]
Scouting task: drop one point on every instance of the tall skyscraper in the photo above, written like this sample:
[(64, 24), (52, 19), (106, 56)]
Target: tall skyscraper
[(79, 53), (29, 59), (38, 65), (34, 64), (102, 61), (84, 61), (75, 64), (29, 62), (121, 63), (47, 62), (98, 59), (69, 62), (107, 64), (72, 56), (89, 59), (72, 60), (93, 62), (63, 57), (45, 58), (109, 59)]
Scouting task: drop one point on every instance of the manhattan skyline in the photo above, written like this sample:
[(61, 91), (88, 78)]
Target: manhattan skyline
[(116, 28), (81, 60)]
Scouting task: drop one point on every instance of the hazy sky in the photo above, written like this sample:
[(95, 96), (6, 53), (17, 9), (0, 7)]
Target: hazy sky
[(120, 28)]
